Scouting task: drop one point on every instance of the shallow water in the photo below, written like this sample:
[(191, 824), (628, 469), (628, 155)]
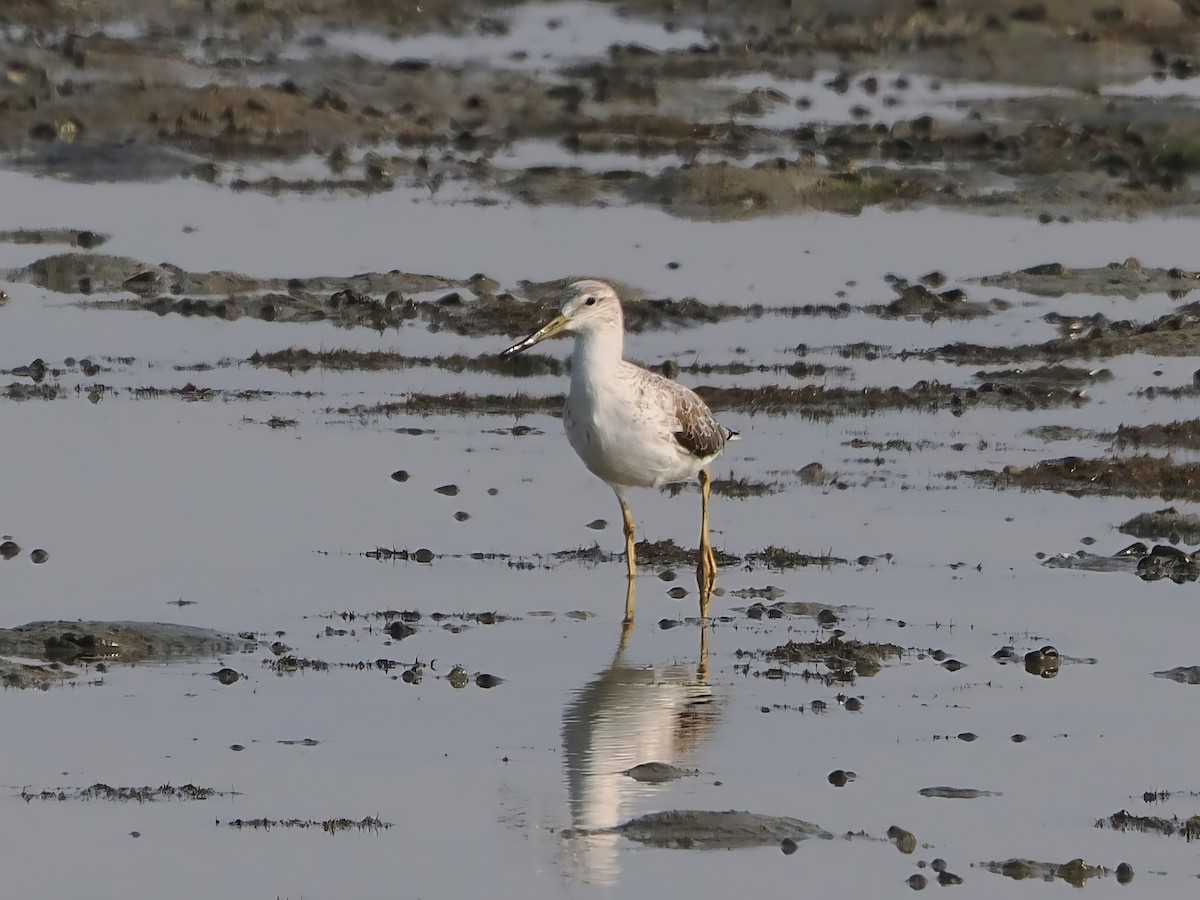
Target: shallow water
[(142, 503)]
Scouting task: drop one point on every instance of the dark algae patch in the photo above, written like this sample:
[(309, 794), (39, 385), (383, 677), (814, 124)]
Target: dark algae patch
[(101, 791), (328, 826), (1123, 820), (1135, 476)]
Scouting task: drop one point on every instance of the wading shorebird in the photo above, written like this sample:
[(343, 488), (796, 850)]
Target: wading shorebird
[(631, 427)]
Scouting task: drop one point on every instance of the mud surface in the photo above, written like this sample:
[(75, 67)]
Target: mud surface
[(932, 260)]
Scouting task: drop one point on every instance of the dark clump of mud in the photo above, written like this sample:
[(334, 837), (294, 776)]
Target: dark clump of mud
[(743, 488), (1129, 279), (845, 660), (1075, 872), (820, 402), (1181, 674), (704, 830), (956, 793), (75, 238), (1177, 527), (343, 360), (1176, 333), (1135, 476), (120, 641), (1184, 434), (22, 676), (669, 554), (658, 772), (915, 300)]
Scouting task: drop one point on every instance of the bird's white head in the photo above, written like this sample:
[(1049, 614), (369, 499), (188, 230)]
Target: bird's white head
[(590, 304), (587, 307)]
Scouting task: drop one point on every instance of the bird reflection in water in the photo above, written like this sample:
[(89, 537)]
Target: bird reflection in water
[(627, 715)]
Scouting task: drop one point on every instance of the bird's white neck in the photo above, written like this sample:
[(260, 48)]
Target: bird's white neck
[(597, 353)]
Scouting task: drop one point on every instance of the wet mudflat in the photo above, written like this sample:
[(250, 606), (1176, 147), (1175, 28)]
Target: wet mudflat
[(306, 594)]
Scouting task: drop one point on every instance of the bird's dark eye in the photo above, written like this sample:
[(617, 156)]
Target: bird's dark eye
[(591, 301)]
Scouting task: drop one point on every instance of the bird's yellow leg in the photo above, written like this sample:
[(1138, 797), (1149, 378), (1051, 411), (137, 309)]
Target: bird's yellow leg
[(630, 558), (706, 570), (630, 603), (630, 553)]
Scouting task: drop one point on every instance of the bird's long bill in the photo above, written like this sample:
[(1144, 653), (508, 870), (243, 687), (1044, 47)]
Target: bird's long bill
[(549, 330)]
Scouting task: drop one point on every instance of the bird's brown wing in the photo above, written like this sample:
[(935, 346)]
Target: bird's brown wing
[(698, 432)]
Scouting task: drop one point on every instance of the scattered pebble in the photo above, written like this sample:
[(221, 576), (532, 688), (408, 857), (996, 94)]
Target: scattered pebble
[(9, 549), (237, 748), (917, 881), (485, 681), (227, 676), (788, 846), (39, 556), (448, 490), (853, 704), (400, 475), (905, 841), (597, 524), (677, 593), (461, 516), (423, 556), (1124, 873), (458, 677)]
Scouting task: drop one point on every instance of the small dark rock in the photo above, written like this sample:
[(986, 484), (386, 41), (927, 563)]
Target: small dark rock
[(400, 475), (448, 490), (9, 549), (227, 676), (39, 556), (917, 881), (788, 846), (484, 680), (398, 631)]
